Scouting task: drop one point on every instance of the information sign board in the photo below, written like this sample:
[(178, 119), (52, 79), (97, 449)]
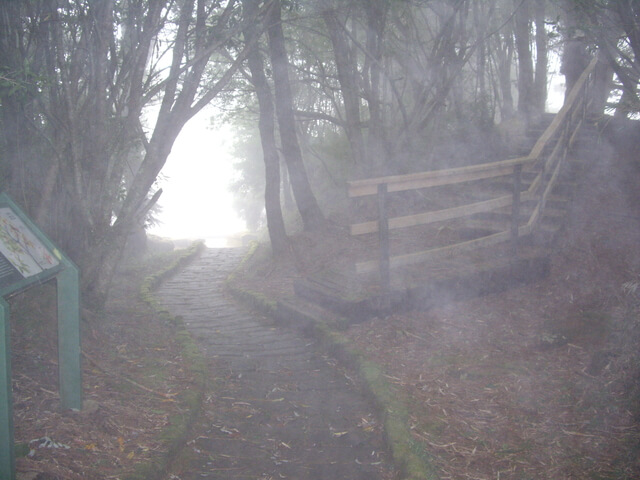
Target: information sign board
[(21, 248), (26, 255), (27, 258)]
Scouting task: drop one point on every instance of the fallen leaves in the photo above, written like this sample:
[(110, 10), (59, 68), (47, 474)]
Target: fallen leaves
[(125, 404)]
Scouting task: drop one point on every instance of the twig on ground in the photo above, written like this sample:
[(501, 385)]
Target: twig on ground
[(168, 396)]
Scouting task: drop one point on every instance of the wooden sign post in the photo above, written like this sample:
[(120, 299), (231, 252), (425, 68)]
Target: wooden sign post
[(29, 258)]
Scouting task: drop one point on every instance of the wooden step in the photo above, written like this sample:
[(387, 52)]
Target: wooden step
[(336, 292), (430, 285)]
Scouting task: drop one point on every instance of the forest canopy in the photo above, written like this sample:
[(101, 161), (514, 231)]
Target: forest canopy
[(93, 95)]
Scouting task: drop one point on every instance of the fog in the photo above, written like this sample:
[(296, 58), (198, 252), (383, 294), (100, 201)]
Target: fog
[(196, 202)]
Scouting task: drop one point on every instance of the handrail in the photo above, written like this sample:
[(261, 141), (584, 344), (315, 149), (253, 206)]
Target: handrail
[(563, 130), (554, 162), (434, 178), (571, 99), (426, 218)]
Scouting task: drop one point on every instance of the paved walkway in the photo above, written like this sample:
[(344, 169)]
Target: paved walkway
[(277, 407)]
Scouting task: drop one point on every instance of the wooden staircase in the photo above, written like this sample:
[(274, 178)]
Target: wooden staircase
[(503, 221)]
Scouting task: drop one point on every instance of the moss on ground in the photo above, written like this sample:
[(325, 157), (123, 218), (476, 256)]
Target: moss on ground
[(407, 454), (174, 436)]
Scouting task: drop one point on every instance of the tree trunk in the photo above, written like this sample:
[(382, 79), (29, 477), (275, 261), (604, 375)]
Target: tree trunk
[(288, 202), (482, 97), (312, 217), (347, 76), (85, 114), (266, 125), (620, 20), (603, 82), (375, 13), (574, 56), (622, 108), (525, 62), (505, 57), (540, 81)]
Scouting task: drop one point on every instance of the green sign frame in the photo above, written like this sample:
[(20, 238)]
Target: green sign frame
[(28, 258)]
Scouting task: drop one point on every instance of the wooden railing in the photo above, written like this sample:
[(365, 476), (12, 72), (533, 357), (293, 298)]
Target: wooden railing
[(558, 138)]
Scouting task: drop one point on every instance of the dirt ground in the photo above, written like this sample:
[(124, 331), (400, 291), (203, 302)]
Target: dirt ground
[(539, 382), (133, 371)]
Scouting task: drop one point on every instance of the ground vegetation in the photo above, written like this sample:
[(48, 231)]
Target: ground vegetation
[(93, 95), (142, 382), (537, 381)]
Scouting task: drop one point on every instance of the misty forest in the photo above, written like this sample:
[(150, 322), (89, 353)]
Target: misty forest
[(440, 276)]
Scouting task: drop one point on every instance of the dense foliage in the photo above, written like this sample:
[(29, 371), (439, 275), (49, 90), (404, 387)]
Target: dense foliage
[(94, 94)]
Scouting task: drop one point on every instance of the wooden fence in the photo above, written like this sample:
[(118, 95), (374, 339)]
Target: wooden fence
[(558, 138)]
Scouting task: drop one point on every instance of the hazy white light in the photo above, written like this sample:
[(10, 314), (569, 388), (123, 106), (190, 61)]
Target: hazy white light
[(196, 201), (555, 84)]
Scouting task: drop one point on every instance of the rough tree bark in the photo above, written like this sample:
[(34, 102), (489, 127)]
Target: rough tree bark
[(504, 58), (540, 81), (312, 217), (375, 16), (95, 59), (485, 118), (346, 67), (266, 125), (522, 29), (575, 57), (606, 25)]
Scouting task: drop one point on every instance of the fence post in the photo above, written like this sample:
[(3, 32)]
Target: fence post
[(383, 239), (7, 453), (515, 208)]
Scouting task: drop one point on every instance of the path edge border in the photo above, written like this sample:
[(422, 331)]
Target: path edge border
[(407, 456), (175, 436)]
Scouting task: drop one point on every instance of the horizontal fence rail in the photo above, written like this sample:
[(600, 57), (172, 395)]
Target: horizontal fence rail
[(560, 135)]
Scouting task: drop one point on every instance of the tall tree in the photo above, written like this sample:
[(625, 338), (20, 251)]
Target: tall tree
[(542, 57), (275, 222), (97, 66), (482, 103), (522, 30), (502, 54), (375, 14), (575, 56), (347, 68), (614, 26), (312, 217)]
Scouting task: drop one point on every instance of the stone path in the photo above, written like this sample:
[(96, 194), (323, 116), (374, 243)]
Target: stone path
[(277, 407)]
